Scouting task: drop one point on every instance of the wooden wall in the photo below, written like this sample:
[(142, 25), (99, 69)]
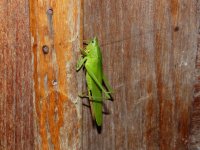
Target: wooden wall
[(149, 49), (16, 90), (150, 55)]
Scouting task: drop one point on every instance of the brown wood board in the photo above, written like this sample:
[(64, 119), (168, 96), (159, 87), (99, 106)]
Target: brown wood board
[(55, 37), (149, 50), (16, 91)]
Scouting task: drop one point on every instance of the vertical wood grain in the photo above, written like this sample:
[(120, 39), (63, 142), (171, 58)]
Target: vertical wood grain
[(56, 25), (195, 115), (16, 117), (149, 50)]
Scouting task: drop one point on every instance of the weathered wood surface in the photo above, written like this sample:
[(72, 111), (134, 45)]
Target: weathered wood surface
[(16, 117), (195, 115), (56, 25), (149, 49)]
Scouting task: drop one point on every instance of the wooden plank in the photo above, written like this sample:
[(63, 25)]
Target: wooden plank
[(56, 29), (195, 121), (16, 117), (149, 52)]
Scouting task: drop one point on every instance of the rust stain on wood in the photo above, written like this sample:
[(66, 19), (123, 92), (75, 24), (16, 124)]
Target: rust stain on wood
[(174, 8), (165, 102), (55, 24)]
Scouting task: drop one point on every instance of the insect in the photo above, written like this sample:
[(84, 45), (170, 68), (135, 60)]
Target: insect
[(92, 61)]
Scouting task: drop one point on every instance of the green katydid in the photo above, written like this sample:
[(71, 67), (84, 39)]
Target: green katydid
[(92, 61)]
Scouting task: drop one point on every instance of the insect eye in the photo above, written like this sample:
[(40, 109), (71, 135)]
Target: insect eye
[(92, 41)]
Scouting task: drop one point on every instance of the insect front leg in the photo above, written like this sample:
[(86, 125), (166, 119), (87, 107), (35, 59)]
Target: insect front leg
[(83, 52), (80, 63)]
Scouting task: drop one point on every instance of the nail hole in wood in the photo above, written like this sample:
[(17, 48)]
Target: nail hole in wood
[(45, 49), (176, 28), (54, 82), (50, 11)]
